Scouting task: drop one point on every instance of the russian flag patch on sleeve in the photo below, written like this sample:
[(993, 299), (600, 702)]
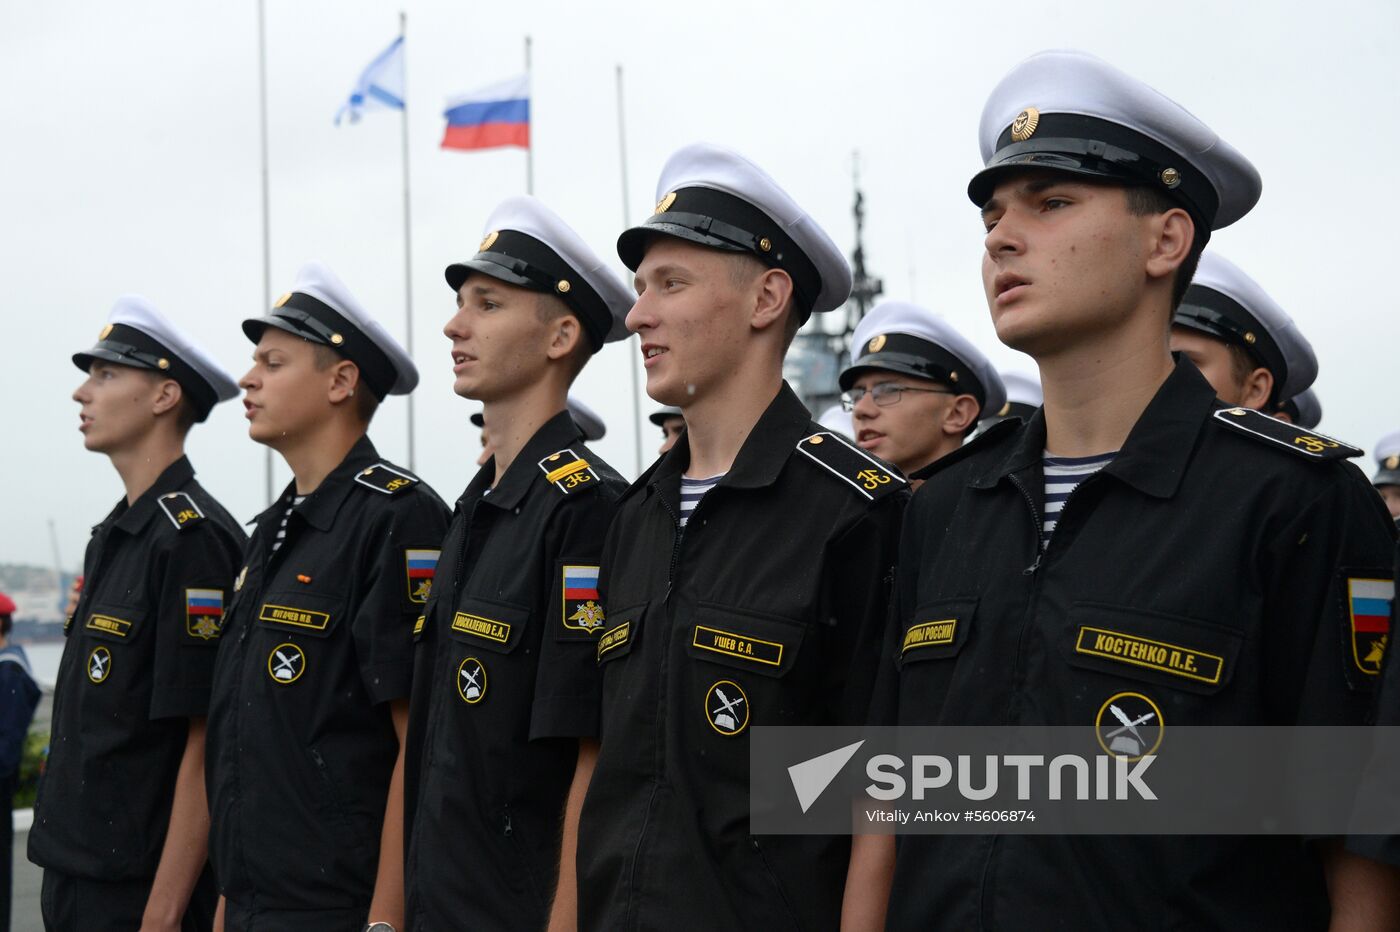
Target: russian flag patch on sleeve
[(582, 611), (204, 613), (1369, 604), (420, 566)]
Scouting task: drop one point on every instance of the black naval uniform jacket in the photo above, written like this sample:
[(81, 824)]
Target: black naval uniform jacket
[(766, 610), (138, 663), (319, 639), (1382, 789), (505, 684), (1232, 549)]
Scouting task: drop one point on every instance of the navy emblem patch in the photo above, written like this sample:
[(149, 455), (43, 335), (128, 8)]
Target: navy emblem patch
[(99, 664), (1129, 726), (582, 611), (1368, 608), (727, 708), (471, 681), (420, 566), (286, 664), (204, 613)]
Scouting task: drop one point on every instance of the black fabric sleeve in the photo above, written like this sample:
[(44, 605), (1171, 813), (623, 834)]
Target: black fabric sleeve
[(193, 583), (568, 685), (860, 574), (391, 599)]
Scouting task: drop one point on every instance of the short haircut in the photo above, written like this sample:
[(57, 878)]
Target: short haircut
[(1146, 199), (743, 269), (365, 401), (186, 414), (548, 309)]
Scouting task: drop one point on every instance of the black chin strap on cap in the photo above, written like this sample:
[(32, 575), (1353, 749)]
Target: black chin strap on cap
[(127, 346), (722, 221), (314, 320), (910, 355), (1207, 311), (533, 265), (1084, 145)]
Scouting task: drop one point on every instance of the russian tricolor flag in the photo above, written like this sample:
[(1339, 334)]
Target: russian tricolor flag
[(493, 116), (204, 601), (580, 583), (422, 564), (1370, 605)]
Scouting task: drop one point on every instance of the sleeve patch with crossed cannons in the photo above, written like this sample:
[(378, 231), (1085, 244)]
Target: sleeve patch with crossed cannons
[(863, 472), (1308, 444)]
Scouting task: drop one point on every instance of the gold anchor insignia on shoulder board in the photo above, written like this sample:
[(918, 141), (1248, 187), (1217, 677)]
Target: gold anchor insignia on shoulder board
[(1023, 127)]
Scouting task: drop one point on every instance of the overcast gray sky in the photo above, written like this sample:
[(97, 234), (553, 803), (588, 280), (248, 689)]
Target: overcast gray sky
[(129, 162)]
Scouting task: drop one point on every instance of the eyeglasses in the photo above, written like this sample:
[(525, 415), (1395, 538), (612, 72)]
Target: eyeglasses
[(885, 394)]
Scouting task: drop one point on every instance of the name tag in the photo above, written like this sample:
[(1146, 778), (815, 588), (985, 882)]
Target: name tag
[(1172, 659), (476, 626), (109, 625), (296, 617), (738, 645)]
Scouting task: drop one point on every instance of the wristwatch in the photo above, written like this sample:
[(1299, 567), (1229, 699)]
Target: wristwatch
[(379, 927)]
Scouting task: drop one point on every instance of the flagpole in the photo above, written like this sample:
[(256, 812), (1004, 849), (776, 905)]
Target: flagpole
[(627, 219), (266, 223), (407, 236), (530, 149)]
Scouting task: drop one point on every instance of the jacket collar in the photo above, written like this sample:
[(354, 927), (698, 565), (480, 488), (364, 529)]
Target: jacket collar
[(766, 450), (1155, 455), (321, 506), (133, 519), (558, 433)]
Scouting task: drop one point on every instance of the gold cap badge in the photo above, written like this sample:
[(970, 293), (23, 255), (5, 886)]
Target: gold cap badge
[(1170, 177), (488, 241), (283, 300), (876, 343), (337, 339), (665, 203), (563, 286), (163, 363), (106, 332), (765, 244), (1392, 462), (1023, 127)]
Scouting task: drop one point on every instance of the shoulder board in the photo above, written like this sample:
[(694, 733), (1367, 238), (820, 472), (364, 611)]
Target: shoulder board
[(385, 479), (568, 472), (180, 509), (997, 431), (1308, 444), (863, 472)]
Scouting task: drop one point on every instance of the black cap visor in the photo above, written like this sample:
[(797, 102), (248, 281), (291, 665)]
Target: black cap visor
[(522, 260), (1088, 147), (126, 346)]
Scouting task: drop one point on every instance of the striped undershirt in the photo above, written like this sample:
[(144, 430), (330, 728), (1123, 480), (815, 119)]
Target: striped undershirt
[(1062, 474), (286, 515), (692, 490)]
